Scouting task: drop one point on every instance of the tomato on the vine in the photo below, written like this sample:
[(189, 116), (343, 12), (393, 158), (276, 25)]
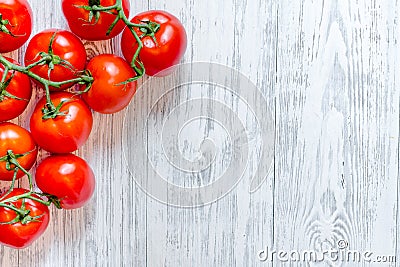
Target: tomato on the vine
[(167, 47), (108, 93), (20, 142), (68, 177), (64, 56), (15, 93), (93, 25), (68, 131), (15, 24), (22, 234)]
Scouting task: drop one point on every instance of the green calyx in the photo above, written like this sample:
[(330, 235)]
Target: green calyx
[(11, 160), (5, 94), (94, 7), (51, 112), (52, 60), (3, 25), (53, 199), (3, 85), (12, 164), (22, 214), (150, 30)]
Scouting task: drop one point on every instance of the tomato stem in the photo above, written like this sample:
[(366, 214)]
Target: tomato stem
[(12, 163), (12, 182), (84, 78), (22, 214), (3, 87), (149, 28), (3, 78), (27, 195), (3, 26), (135, 60), (18, 211)]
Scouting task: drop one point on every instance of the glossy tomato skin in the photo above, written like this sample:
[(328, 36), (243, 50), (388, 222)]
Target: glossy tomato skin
[(20, 87), (19, 15), (67, 46), (18, 235), (65, 133), (105, 95), (171, 43), (68, 177), (78, 19), (20, 141)]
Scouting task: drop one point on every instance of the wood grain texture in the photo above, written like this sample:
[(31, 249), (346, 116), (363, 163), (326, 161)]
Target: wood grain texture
[(339, 111), (329, 68)]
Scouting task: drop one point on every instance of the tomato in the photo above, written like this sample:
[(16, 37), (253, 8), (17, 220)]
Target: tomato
[(14, 97), (65, 133), (170, 47), (106, 95), (20, 141), (81, 24), (67, 177), (21, 235), (67, 54), (15, 18)]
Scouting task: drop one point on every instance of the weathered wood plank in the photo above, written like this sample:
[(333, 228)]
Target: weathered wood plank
[(231, 231), (332, 67), (337, 166), (130, 228)]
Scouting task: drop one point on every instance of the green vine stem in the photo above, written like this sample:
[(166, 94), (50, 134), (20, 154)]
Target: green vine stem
[(3, 26), (22, 214), (148, 28), (12, 164), (85, 78)]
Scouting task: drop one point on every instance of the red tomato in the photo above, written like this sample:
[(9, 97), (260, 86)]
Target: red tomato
[(169, 49), (15, 97), (67, 177), (65, 133), (66, 47), (81, 24), (20, 235), (18, 13), (20, 141), (105, 95)]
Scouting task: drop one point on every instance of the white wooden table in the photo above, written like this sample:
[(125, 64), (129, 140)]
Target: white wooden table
[(328, 70)]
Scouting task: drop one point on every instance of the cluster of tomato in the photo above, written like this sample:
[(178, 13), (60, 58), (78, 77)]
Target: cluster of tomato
[(55, 60)]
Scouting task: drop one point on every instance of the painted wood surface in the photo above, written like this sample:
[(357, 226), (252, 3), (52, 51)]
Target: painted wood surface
[(328, 70)]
